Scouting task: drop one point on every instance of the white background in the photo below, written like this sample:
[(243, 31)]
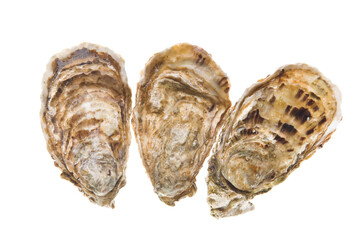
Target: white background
[(249, 40)]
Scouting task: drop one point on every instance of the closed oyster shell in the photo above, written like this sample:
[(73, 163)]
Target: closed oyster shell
[(278, 123), (85, 112), (180, 103)]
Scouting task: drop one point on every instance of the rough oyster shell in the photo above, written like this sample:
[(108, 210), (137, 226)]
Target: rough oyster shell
[(85, 112), (278, 123), (180, 103)]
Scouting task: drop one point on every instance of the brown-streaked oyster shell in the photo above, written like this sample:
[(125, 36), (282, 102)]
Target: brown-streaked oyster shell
[(86, 104), (278, 123), (181, 100)]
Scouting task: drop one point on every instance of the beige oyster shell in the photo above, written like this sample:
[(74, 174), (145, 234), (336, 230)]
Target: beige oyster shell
[(181, 100), (278, 123), (86, 104)]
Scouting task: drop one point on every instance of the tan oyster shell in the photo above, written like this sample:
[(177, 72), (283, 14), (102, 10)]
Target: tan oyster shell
[(180, 103), (85, 112), (278, 123)]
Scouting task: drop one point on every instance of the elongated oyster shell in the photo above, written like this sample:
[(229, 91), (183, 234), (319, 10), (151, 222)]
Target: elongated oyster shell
[(181, 100), (86, 104), (278, 123)]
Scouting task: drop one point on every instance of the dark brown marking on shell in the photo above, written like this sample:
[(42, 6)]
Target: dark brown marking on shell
[(310, 102), (302, 114), (280, 139), (226, 90), (223, 82), (200, 59), (315, 108), (305, 97), (254, 117), (289, 129), (249, 131), (282, 85), (231, 186), (281, 73), (313, 95), (323, 120), (84, 53), (252, 132), (236, 137), (294, 111), (243, 132), (211, 108), (310, 131), (299, 93), (302, 138), (290, 150), (279, 124), (271, 176), (272, 100), (288, 108)]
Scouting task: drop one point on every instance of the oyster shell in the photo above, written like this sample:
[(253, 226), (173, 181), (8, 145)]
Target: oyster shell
[(181, 100), (86, 104), (278, 123)]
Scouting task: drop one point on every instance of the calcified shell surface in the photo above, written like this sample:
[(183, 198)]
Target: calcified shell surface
[(181, 100), (278, 123), (85, 114)]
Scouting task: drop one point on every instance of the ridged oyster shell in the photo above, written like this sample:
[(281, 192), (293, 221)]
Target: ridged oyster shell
[(278, 123), (180, 103), (86, 104)]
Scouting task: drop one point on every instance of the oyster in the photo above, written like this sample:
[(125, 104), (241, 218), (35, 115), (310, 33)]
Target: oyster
[(278, 123), (181, 100), (86, 104)]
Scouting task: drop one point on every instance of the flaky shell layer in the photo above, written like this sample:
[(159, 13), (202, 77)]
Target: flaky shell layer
[(180, 103), (85, 112), (278, 123)]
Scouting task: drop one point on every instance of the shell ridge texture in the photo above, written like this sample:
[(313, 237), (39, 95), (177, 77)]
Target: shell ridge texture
[(181, 100), (278, 122), (85, 114)]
